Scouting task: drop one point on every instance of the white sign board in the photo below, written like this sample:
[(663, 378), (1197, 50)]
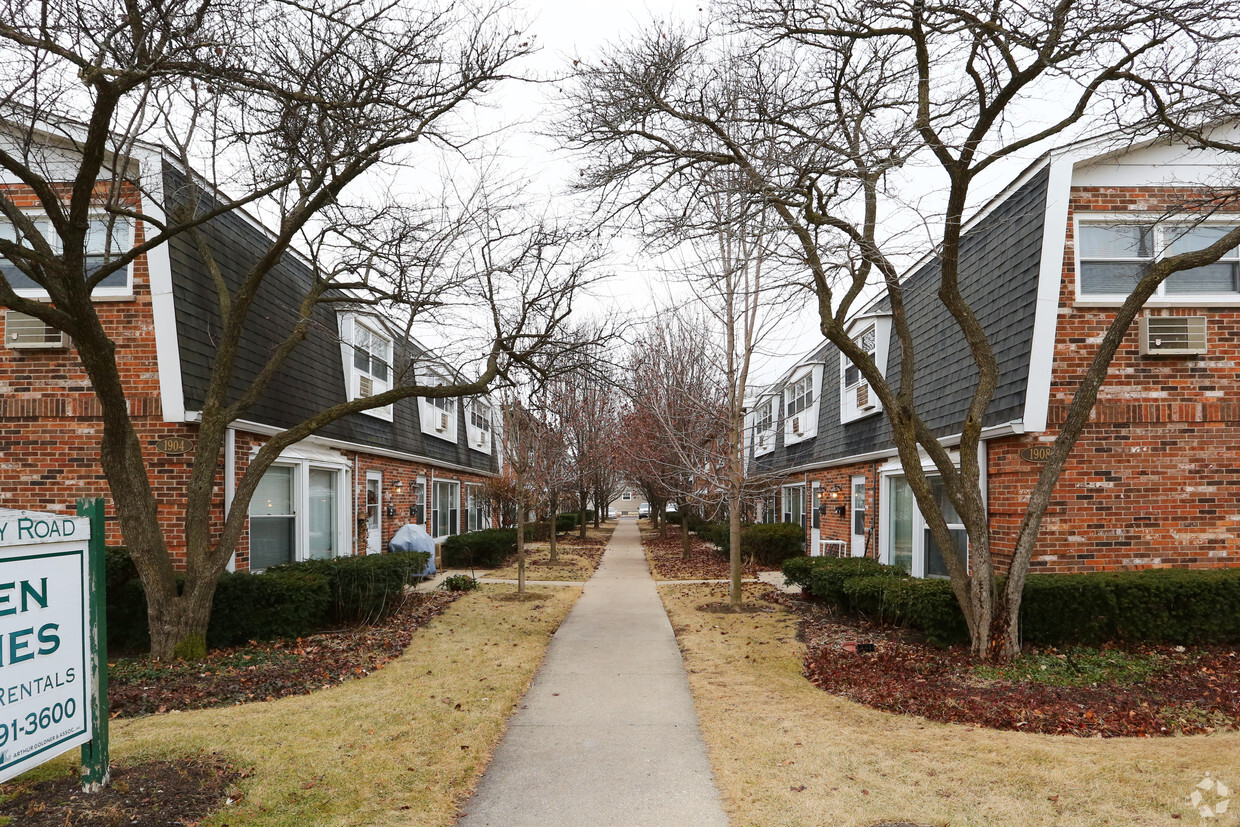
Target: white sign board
[(45, 658)]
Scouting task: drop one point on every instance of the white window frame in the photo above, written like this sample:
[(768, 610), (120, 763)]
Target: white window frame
[(807, 380), (881, 325), (479, 438), (1163, 230), (301, 505), (100, 293), (627, 496), (764, 420), (430, 410), (477, 508), (357, 331), (786, 494), (433, 525), (887, 473)]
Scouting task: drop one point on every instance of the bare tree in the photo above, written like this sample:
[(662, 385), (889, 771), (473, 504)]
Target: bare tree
[(821, 108), (287, 109)]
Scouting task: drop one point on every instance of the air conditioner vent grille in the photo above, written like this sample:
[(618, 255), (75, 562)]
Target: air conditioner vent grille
[(863, 397), (23, 332), (1173, 335)]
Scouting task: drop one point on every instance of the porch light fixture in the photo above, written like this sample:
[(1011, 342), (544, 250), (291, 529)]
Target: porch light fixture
[(399, 487)]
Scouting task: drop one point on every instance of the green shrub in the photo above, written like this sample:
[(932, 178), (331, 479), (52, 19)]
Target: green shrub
[(565, 522), (827, 576), (673, 517), (537, 532), (770, 544), (125, 603), (694, 521), (459, 583), (368, 588), (797, 571), (1164, 606), (483, 549), (928, 605), (281, 602)]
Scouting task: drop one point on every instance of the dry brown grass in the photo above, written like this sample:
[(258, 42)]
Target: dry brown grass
[(575, 562), (785, 753), (402, 746)]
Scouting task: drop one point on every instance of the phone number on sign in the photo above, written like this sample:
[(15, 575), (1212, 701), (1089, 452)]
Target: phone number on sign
[(36, 721)]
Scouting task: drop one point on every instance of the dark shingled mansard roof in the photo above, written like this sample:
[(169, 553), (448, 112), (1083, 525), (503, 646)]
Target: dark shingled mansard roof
[(313, 378), (999, 261)]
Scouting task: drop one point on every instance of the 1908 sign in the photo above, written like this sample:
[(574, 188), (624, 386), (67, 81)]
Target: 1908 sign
[(1036, 453)]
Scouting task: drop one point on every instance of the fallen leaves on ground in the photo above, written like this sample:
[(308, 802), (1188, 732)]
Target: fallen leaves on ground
[(1187, 691), (665, 553), (266, 671)]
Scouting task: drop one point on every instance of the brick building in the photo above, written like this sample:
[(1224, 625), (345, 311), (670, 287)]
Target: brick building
[(1154, 480), (343, 491)]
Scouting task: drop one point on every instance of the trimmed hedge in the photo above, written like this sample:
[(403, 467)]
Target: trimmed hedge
[(363, 589), (1176, 606), (565, 522), (484, 549), (768, 544), (275, 604), (673, 517), (1180, 606), (537, 532), (291, 600)]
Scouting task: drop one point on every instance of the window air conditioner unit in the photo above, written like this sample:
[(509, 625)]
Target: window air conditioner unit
[(365, 387), (443, 422), (1173, 335), (22, 332), (762, 441), (863, 398), (796, 425)]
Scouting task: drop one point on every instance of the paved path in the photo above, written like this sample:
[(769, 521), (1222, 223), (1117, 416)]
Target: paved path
[(607, 734)]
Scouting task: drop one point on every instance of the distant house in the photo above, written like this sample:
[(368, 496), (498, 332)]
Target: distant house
[(343, 491), (1154, 480), (626, 502)]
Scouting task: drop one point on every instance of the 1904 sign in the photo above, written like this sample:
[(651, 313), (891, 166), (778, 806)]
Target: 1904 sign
[(45, 663)]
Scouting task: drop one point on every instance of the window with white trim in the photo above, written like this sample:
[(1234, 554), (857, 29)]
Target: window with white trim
[(478, 425), (1113, 255), (101, 246), (445, 508), (296, 514), (801, 405), (371, 372), (477, 509), (627, 496), (857, 398), (764, 427)]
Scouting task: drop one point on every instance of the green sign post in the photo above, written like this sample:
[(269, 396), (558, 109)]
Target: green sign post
[(95, 767)]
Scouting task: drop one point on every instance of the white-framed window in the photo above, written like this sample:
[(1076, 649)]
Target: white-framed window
[(297, 513), (764, 426), (445, 508), (793, 499), (438, 416), (1113, 253), (857, 398), (101, 247), (477, 509), (910, 544), (801, 404), (478, 425), (368, 361)]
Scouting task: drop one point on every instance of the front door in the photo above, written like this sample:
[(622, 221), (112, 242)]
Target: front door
[(374, 511), (858, 516)]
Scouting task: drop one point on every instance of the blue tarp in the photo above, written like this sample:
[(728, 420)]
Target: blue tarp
[(413, 537)]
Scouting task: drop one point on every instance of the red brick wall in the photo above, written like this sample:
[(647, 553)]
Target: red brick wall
[(1155, 479), (833, 526)]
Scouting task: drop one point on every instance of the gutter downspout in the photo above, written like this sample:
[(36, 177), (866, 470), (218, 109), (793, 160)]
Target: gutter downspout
[(230, 481)]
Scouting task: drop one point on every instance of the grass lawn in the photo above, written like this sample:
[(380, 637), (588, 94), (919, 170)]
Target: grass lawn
[(785, 753), (401, 746)]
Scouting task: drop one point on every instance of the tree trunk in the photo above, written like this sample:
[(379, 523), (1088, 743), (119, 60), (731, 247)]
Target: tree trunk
[(735, 596), (520, 546), (685, 546), (555, 512)]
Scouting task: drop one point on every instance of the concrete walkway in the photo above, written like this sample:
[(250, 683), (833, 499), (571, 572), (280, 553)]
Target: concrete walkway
[(607, 734)]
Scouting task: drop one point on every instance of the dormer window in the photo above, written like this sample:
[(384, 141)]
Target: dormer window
[(800, 404), (367, 352), (479, 425), (764, 427), (438, 417), (857, 398)]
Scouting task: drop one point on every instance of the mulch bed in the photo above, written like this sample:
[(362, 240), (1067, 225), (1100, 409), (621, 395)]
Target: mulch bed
[(145, 795), (1194, 690), (266, 671), (666, 556)]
